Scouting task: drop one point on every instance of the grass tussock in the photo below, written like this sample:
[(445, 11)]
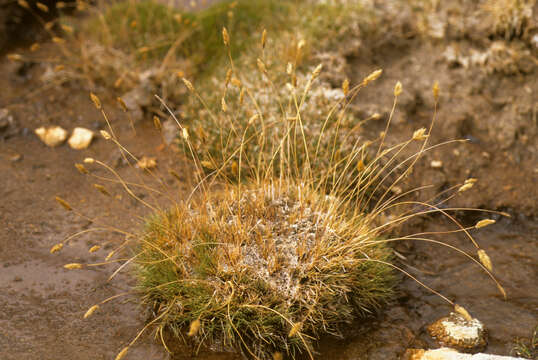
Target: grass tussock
[(285, 235)]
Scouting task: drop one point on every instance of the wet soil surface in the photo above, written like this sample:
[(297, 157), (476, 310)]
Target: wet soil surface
[(42, 304)]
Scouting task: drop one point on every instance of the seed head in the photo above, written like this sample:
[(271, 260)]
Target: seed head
[(194, 327), (317, 71), (110, 254), (105, 134), (95, 100), (223, 105), (345, 86), (122, 104), (398, 89), (56, 248), (295, 329), (289, 68), (122, 353), (157, 123), (225, 37), (264, 38), (94, 248), (34, 47), (81, 169), (101, 189), (435, 90), (58, 40), (420, 134), (465, 187), (484, 223), (185, 134), (64, 203), (461, 310), (14, 57), (60, 5), (228, 76), (91, 311), (373, 76), (89, 160), (68, 29), (278, 356), (485, 260), (252, 119), (73, 266), (23, 3), (236, 82), (188, 84), (301, 44), (42, 7), (242, 96), (261, 65)]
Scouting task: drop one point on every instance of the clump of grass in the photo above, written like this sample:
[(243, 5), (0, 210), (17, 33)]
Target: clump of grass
[(266, 269), (527, 348), (285, 235), (511, 18)]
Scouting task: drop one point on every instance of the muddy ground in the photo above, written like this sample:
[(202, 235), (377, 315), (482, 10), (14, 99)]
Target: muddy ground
[(42, 304)]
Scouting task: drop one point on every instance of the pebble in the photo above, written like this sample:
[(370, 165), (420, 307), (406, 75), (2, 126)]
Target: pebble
[(450, 354), (52, 136), (80, 139), (436, 164), (457, 332)]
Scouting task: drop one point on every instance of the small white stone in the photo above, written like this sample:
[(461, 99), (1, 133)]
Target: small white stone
[(51, 136), (451, 354), (436, 164), (80, 139)]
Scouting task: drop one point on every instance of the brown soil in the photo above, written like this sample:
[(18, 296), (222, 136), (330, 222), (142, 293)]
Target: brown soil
[(42, 303)]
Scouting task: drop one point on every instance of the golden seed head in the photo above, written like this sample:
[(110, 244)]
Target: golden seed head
[(225, 36), (470, 181), (223, 105), (484, 223), (73, 266), (261, 65), (94, 248), (461, 310), (101, 189), (64, 203), (34, 47), (278, 356), (188, 84), (105, 134), (236, 82), (207, 164), (485, 260), (398, 89), (177, 17), (376, 116), (264, 38), (48, 26), (252, 119), (465, 187), (58, 40), (60, 5), (301, 44), (23, 3), (289, 68), (122, 103), (56, 248), (185, 133), (345, 86), (295, 329), (420, 134), (81, 168), (110, 254), (122, 353), (373, 76), (95, 100), (14, 57), (68, 29), (317, 71), (242, 96), (42, 7), (360, 165), (235, 167), (228, 76), (436, 90), (90, 311), (194, 327), (157, 123), (89, 160)]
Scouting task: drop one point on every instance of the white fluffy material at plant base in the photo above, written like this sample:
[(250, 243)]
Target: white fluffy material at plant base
[(450, 354), (80, 139)]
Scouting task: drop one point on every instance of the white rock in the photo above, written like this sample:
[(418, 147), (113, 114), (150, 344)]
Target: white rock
[(51, 136), (457, 332), (451, 354), (80, 139)]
